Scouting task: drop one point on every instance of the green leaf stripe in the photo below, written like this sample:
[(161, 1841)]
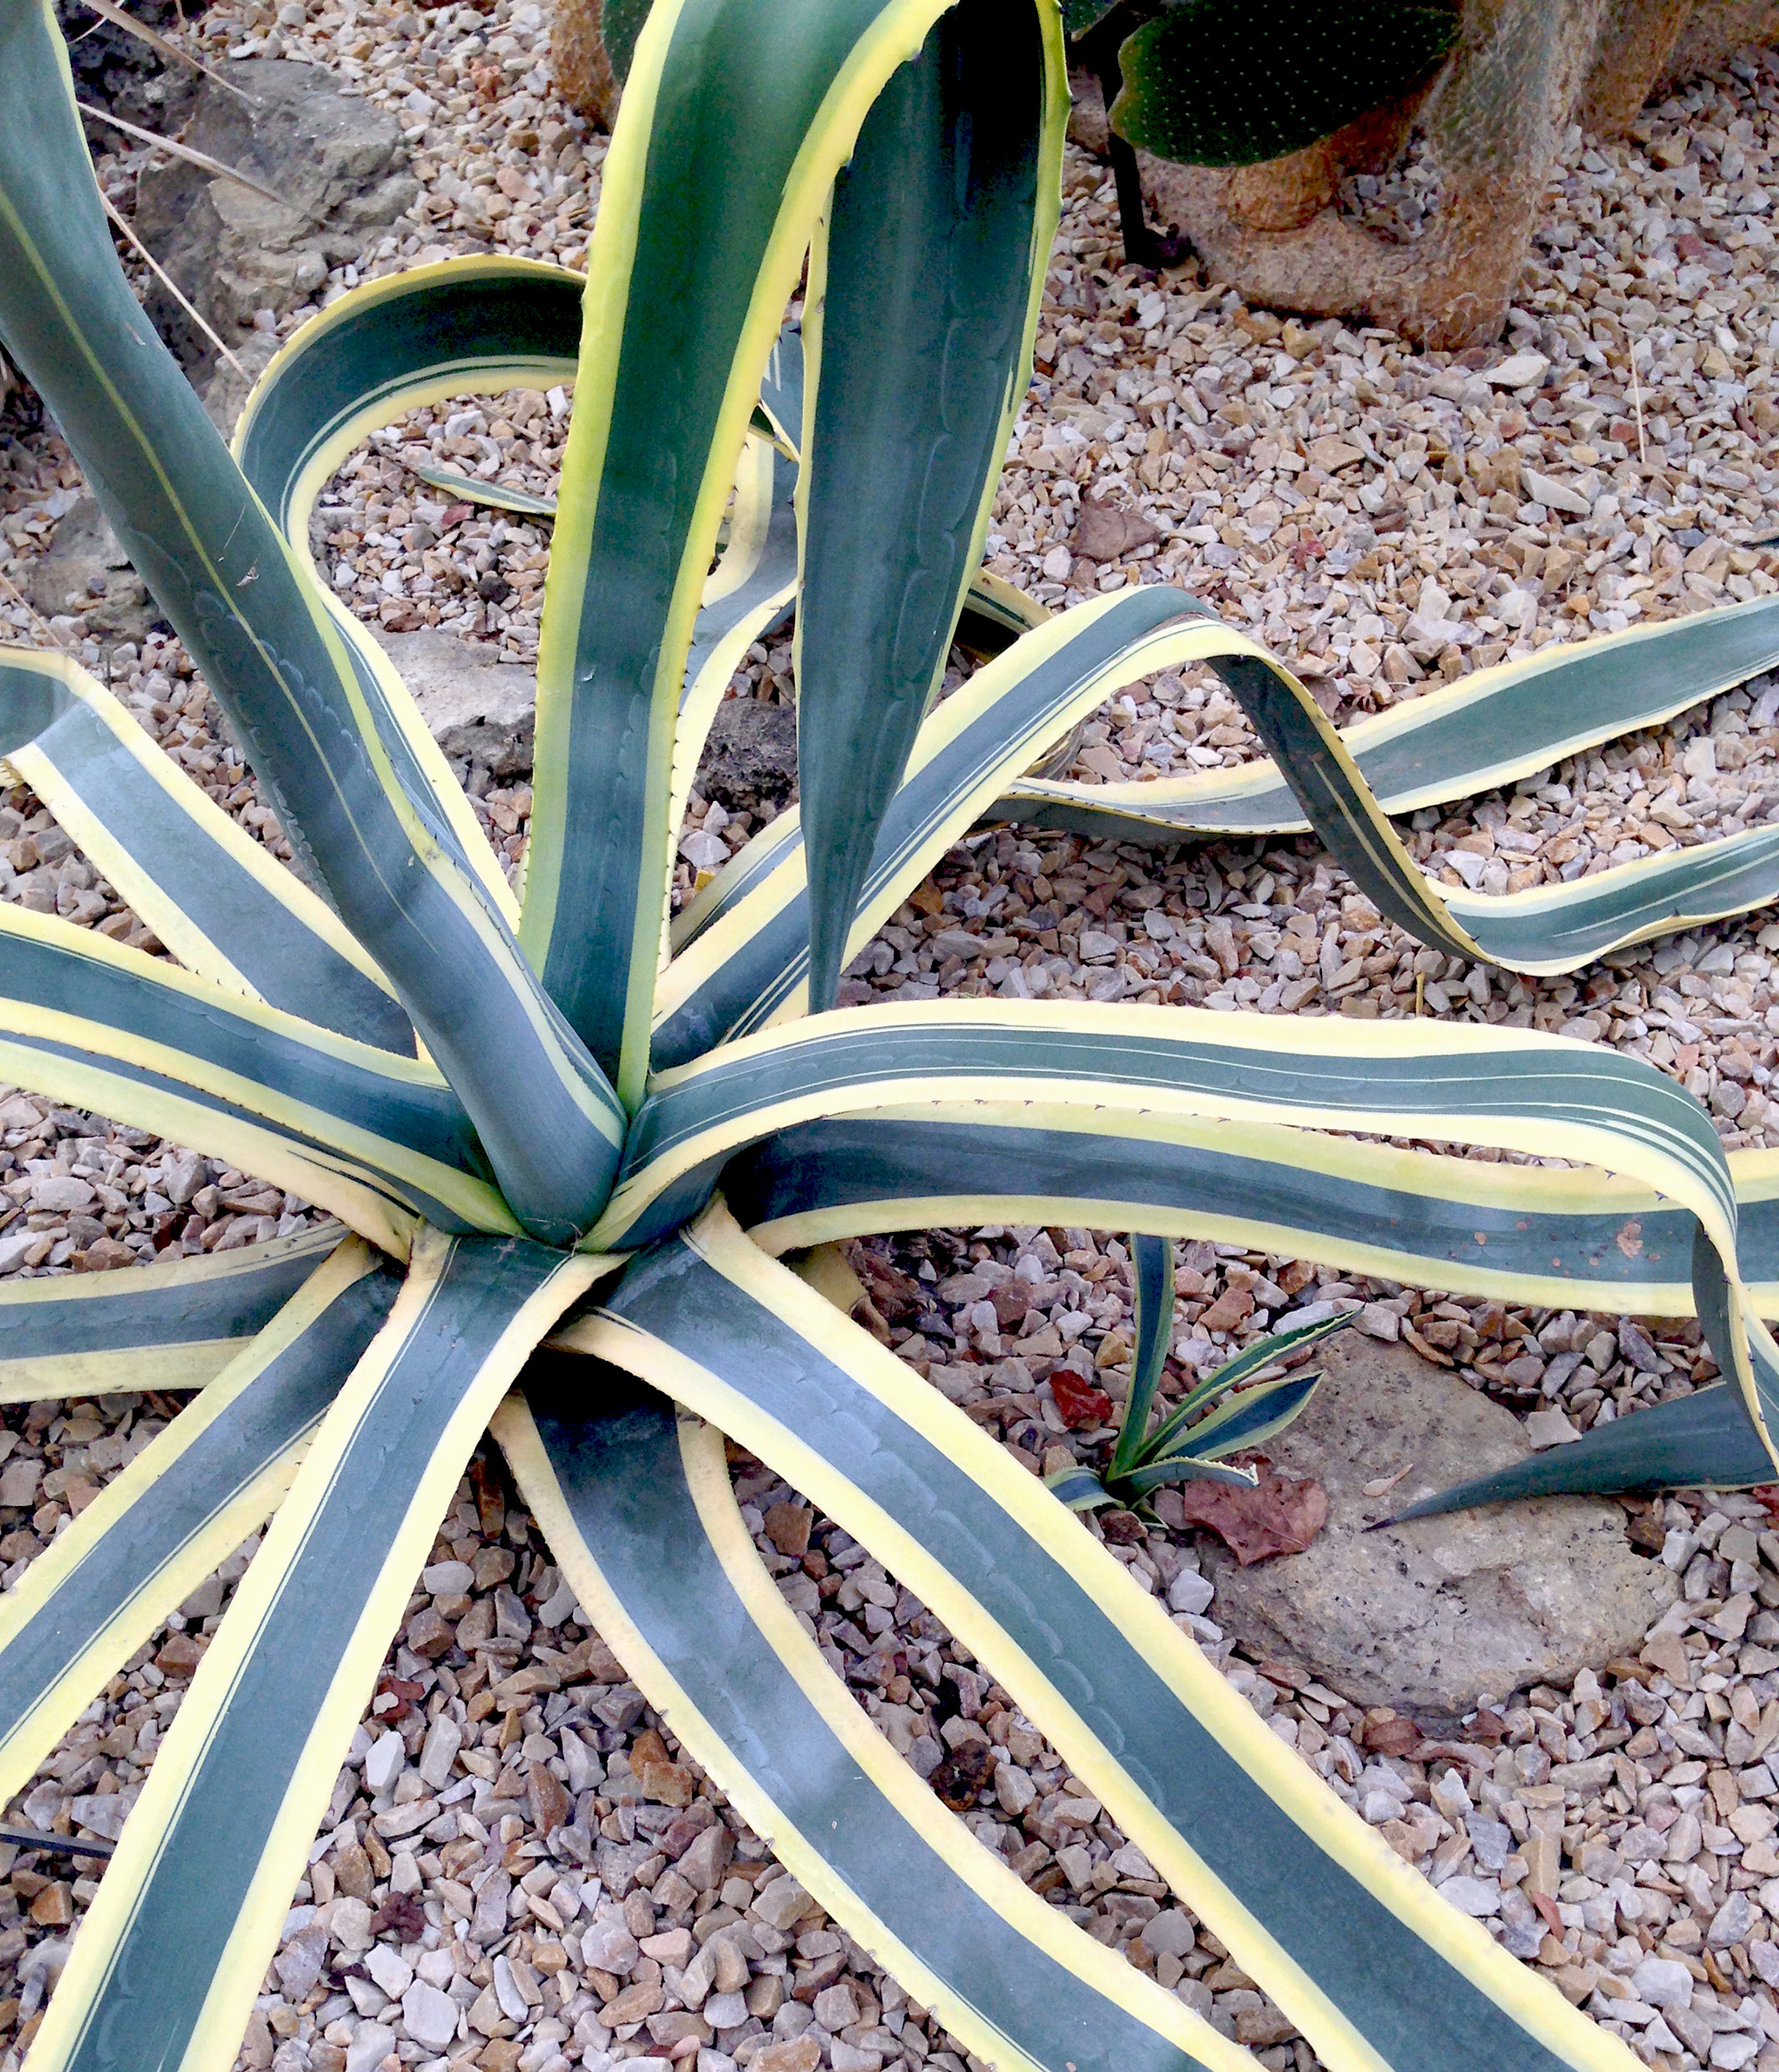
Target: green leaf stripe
[(170, 1326), (1362, 1954), (182, 864), (724, 1661)]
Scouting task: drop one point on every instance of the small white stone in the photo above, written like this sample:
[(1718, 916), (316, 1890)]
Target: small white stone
[(1549, 1428), (1478, 1896), (1190, 1591), (448, 1578), (443, 1738), (430, 2016), (1519, 372), (383, 1763), (1661, 1982), (368, 2049), (390, 1972)]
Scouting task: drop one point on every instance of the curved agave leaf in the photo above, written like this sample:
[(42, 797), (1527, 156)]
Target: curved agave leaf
[(481, 326), (223, 907), (1541, 1094), (175, 1325), (1363, 1956), (377, 1139), (174, 1949), (1481, 732), (722, 1658), (303, 683), (1534, 1234), (744, 963), (1707, 1437), (185, 1502)]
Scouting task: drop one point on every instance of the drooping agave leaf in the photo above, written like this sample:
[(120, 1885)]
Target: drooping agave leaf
[(1707, 1437), (1225, 83), (923, 298), (184, 1503), (175, 1325), (1358, 1950), (175, 1946), (1545, 1095), (356, 779), (1518, 1233), (742, 950), (744, 960), (377, 1139), (1706, 1440), (723, 1659), (218, 901)]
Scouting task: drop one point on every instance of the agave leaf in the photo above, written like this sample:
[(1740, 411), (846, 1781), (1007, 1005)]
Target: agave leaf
[(377, 1139), (350, 768), (1152, 1258), (191, 1496), (1153, 1475), (175, 1947), (1706, 1440), (1221, 83), (923, 298), (1080, 1489), (1352, 1943), (1252, 1359), (1252, 1418), (1519, 1233), (175, 1325), (722, 1658), (696, 274), (215, 896)]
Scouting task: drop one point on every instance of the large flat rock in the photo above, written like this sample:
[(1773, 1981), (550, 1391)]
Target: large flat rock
[(1432, 1617), (478, 707)]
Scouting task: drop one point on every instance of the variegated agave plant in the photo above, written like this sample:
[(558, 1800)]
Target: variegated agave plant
[(571, 1144)]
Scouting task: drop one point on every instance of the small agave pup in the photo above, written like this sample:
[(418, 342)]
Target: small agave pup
[(569, 1146)]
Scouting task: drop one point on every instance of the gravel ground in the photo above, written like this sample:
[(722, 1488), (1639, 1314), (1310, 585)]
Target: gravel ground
[(517, 1870)]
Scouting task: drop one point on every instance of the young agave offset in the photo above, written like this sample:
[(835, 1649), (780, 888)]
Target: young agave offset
[(570, 1149)]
